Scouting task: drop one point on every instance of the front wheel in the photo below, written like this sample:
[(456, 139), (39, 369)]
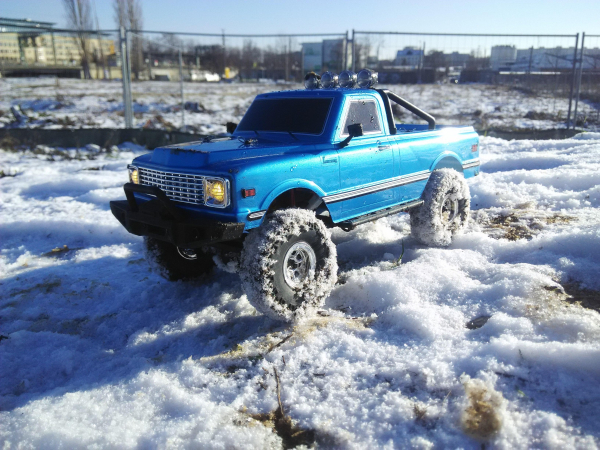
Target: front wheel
[(445, 211), (289, 265)]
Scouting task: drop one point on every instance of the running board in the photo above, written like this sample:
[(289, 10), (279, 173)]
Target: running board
[(348, 225)]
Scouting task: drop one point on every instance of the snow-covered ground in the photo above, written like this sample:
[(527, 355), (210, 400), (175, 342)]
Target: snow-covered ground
[(97, 351), (66, 103)]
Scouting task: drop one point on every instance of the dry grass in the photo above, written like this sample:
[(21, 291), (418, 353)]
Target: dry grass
[(481, 419), (521, 223)]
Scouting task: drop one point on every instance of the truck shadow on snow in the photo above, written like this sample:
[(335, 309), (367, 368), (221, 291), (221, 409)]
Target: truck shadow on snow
[(76, 326)]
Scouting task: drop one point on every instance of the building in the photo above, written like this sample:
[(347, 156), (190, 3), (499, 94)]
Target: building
[(27, 43), (333, 55), (458, 60), (409, 58), (312, 57), (503, 57), (9, 48)]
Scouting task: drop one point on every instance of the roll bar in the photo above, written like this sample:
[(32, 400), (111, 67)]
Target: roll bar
[(386, 95)]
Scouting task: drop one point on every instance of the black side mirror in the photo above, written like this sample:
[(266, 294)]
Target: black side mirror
[(355, 130), (231, 126)]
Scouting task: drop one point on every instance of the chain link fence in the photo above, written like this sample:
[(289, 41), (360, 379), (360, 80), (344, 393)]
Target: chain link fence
[(535, 64), (186, 67), (187, 58)]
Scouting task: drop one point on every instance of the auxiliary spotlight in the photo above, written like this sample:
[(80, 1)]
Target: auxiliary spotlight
[(329, 80), (312, 81), (347, 79), (366, 78)]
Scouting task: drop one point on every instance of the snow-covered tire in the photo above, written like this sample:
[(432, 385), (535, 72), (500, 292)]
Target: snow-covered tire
[(445, 211), (277, 274), (165, 260)]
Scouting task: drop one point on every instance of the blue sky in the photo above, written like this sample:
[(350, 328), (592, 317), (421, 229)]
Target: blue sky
[(311, 16)]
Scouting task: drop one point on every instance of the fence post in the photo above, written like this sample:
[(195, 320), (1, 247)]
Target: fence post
[(579, 78), (287, 59), (224, 53), (181, 89), (126, 80), (353, 51), (345, 58), (572, 80)]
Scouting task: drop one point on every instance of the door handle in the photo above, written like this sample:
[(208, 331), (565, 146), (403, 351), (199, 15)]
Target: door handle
[(383, 147)]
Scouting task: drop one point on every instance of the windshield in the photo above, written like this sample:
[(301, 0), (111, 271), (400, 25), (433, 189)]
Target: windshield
[(295, 115)]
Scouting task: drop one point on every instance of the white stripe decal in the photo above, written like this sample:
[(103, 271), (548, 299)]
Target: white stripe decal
[(420, 176)]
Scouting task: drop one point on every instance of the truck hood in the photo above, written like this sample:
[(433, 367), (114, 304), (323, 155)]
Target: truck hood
[(219, 150)]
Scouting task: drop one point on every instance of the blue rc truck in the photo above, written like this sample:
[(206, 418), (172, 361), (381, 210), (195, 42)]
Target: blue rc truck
[(298, 163)]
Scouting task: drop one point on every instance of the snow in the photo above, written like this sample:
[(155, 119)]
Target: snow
[(65, 103), (98, 351)]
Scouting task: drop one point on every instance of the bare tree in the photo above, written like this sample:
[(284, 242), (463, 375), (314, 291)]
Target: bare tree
[(79, 18), (128, 14)]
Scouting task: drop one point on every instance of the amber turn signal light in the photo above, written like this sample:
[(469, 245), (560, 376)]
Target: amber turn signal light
[(248, 192)]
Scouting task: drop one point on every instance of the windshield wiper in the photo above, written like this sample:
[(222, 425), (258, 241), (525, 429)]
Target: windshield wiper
[(292, 135), (256, 132)]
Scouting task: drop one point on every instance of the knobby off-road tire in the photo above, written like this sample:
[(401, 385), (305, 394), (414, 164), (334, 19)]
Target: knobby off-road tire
[(166, 260), (445, 211), (288, 266)]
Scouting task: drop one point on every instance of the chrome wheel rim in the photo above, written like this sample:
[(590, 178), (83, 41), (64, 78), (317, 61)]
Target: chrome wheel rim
[(299, 264), (187, 253), (448, 210)]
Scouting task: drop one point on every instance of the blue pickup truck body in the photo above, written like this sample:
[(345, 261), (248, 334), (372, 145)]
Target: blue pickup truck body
[(382, 168)]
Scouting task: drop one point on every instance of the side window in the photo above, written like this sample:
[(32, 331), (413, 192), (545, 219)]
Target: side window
[(365, 112)]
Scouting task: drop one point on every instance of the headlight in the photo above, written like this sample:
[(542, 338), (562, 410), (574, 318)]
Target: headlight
[(216, 192), (134, 176)]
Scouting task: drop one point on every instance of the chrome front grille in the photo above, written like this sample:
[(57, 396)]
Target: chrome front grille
[(180, 187)]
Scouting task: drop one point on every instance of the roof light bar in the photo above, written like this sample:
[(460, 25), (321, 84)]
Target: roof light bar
[(365, 79)]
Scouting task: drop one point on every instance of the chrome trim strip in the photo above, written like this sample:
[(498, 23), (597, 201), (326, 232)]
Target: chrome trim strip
[(419, 176), (471, 163), (256, 215)]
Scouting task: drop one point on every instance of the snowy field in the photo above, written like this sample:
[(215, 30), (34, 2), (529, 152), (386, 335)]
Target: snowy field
[(66, 103), (490, 341)]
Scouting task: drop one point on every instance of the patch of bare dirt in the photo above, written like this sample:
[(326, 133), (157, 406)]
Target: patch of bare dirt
[(519, 223)]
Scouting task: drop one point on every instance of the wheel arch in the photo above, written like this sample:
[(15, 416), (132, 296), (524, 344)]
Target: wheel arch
[(294, 193), (447, 160)]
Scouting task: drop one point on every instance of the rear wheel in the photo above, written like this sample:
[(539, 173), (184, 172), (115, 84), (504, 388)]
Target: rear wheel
[(174, 263), (445, 211), (289, 265)]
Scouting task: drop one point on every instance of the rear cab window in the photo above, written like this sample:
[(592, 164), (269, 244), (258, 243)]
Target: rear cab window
[(365, 112)]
